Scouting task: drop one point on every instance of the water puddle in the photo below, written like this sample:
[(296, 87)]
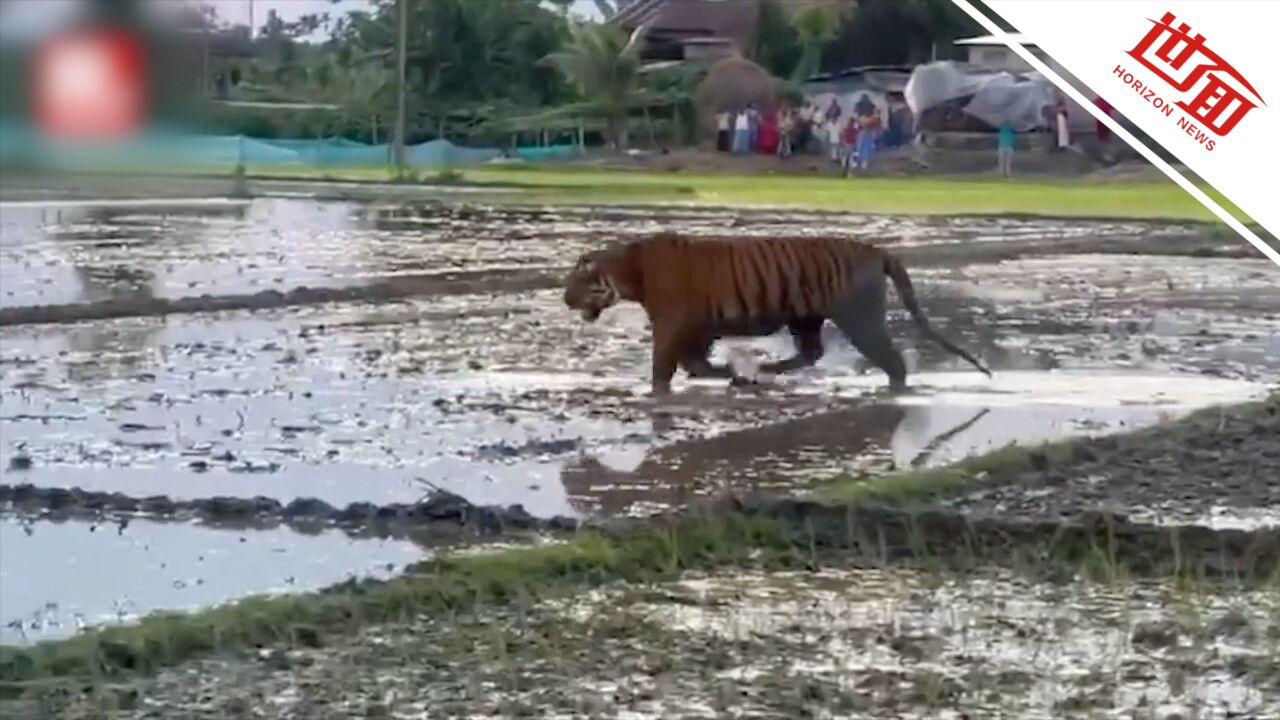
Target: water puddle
[(56, 577), (951, 416)]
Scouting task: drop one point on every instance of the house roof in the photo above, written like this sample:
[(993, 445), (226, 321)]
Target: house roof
[(861, 70), (732, 19), (1018, 38)]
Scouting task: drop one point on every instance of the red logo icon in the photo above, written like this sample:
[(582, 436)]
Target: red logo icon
[(89, 85), (1224, 96)]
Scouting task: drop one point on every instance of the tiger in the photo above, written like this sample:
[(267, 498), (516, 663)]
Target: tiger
[(696, 291)]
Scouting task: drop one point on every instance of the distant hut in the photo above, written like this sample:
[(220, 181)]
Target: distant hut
[(731, 84)]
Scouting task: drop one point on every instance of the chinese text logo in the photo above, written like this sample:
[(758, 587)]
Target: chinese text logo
[(1183, 60), (89, 85)]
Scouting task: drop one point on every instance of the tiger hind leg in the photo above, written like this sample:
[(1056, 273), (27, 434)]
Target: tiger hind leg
[(861, 316), (807, 336)]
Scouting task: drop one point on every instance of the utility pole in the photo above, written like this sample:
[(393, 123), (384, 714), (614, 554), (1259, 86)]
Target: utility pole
[(402, 51)]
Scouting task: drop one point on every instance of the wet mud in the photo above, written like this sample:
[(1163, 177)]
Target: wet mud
[(1171, 474), (838, 642)]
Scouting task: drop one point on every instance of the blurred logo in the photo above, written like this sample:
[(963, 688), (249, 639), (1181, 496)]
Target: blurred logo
[(89, 85)]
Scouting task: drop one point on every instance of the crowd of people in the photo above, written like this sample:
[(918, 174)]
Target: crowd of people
[(849, 138)]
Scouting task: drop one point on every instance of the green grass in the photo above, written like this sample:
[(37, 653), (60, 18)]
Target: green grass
[(913, 196), (913, 486), (931, 195)]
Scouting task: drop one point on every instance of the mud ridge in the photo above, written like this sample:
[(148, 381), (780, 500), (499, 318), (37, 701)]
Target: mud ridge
[(440, 513), (506, 281), (878, 533)]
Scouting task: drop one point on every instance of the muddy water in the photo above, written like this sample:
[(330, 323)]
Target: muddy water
[(58, 577), (513, 404), (72, 253)]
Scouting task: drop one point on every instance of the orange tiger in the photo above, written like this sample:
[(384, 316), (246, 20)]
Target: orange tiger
[(696, 291)]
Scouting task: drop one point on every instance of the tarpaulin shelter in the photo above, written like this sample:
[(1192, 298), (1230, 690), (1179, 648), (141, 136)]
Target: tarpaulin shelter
[(952, 96)]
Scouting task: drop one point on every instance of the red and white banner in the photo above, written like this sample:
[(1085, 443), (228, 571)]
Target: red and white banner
[(1194, 75)]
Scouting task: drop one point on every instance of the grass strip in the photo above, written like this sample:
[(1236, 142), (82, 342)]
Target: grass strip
[(1085, 197)]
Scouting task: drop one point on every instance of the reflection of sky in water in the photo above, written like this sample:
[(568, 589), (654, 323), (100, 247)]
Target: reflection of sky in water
[(1029, 408), (93, 575), (61, 254)]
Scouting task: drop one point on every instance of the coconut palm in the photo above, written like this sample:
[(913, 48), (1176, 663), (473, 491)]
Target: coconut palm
[(815, 27), (603, 63)]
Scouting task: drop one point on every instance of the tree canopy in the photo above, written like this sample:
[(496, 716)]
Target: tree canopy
[(470, 63)]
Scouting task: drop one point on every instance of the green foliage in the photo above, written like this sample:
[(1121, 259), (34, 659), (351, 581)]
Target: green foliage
[(603, 64), (465, 60), (897, 32), (814, 26), (776, 44)]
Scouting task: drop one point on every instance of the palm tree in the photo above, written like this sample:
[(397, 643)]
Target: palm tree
[(603, 63), (815, 27)]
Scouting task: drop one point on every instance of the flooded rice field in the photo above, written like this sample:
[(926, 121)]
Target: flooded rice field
[(462, 370), (838, 643), (61, 576)]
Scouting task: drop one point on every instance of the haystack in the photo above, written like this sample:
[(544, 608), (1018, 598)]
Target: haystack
[(730, 85)]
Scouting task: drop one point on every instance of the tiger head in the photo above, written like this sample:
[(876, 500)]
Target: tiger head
[(589, 288)]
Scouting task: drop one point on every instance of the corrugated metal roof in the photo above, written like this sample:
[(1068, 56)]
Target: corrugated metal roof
[(1018, 38)]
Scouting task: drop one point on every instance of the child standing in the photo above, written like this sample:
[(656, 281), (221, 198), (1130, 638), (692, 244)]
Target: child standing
[(849, 144)]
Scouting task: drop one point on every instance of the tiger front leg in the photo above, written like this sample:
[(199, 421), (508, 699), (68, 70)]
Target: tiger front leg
[(696, 363), (666, 355)]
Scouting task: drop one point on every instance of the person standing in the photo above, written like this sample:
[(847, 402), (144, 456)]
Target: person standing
[(723, 120), (849, 145), (868, 136), (768, 138), (786, 130), (805, 127), (1064, 132), (753, 128), (834, 111), (741, 132), (1004, 148), (834, 136)]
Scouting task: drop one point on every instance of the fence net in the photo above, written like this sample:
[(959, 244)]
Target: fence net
[(20, 144)]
